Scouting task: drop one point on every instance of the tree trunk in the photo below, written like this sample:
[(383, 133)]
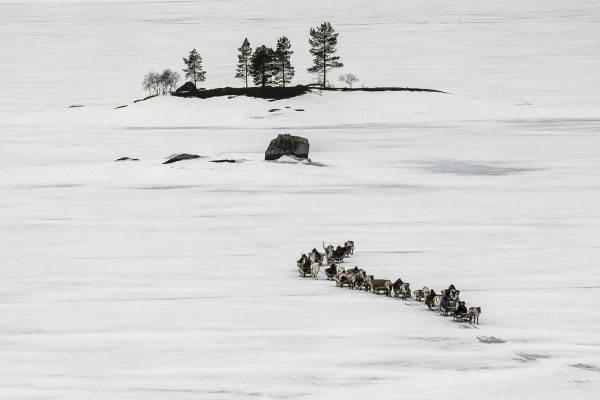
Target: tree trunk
[(324, 62)]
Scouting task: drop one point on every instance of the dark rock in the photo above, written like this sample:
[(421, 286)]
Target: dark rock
[(274, 109), (116, 108), (287, 145), (145, 98), (276, 93), (186, 88), (221, 161), (180, 157), (127, 159), (76, 106), (267, 92), (224, 161)]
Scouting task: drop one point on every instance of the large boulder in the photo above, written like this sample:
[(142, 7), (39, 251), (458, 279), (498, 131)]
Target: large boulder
[(187, 88), (287, 145)]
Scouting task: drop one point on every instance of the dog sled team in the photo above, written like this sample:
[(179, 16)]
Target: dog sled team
[(447, 303)]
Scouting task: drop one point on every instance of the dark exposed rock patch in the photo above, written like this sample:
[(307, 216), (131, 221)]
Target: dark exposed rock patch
[(145, 98), (277, 93), (287, 145), (76, 106), (181, 157), (224, 161), (273, 93), (274, 109), (127, 159), (382, 89), (116, 108)]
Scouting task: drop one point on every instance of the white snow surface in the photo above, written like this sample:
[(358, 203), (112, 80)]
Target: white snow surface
[(138, 280)]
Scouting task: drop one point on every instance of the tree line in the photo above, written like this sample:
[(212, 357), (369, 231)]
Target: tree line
[(164, 83), (265, 66)]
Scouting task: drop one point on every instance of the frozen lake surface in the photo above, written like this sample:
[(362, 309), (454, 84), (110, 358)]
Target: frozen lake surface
[(138, 280)]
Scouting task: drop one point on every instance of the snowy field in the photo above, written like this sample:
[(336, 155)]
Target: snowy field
[(138, 280)]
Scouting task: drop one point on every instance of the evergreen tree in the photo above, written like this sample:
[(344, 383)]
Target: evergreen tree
[(194, 67), (243, 67), (284, 72), (261, 65), (323, 41)]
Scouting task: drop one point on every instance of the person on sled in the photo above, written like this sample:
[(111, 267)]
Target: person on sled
[(398, 284), (429, 299), (332, 270), (339, 252), (446, 302), (461, 309)]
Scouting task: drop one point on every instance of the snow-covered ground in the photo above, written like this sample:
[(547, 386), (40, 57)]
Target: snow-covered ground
[(138, 280)]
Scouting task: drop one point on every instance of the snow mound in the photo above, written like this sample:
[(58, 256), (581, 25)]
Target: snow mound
[(292, 160), (313, 110)]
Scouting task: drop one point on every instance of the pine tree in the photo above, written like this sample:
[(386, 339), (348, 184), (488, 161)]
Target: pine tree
[(284, 72), (194, 67), (243, 67), (323, 41), (261, 66)]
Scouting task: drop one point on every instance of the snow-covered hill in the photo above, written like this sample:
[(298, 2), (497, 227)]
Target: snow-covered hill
[(316, 109), (143, 280)]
